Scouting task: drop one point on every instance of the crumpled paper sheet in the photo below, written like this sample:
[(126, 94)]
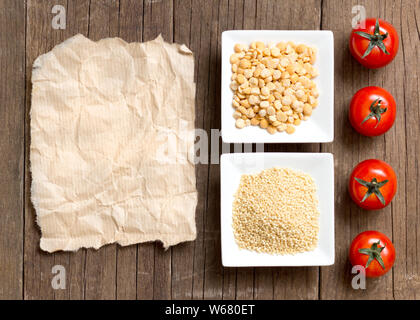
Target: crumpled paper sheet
[(112, 131)]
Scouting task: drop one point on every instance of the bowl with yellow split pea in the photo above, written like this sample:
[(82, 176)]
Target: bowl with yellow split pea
[(277, 86)]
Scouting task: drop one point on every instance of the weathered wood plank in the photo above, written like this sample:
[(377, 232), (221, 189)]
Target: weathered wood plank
[(182, 254), (234, 11), (213, 276), (12, 113), (394, 146), (350, 148), (131, 20), (158, 19), (405, 85), (126, 273), (40, 38), (200, 45), (145, 270), (335, 280), (226, 20)]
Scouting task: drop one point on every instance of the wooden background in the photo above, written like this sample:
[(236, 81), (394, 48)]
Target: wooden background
[(193, 270)]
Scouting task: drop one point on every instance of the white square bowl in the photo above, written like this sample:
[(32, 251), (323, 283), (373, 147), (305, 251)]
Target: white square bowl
[(319, 165), (320, 126)]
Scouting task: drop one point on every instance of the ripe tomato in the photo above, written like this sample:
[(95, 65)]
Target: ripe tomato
[(372, 184), (374, 251), (372, 111), (375, 45)]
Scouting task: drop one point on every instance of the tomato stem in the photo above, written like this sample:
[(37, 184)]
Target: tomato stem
[(373, 188), (374, 253), (375, 111), (376, 40)]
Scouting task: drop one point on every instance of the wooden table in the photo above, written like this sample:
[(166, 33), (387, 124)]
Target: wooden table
[(193, 270)]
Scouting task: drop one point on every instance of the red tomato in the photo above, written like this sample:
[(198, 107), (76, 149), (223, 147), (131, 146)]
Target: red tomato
[(372, 111), (374, 251), (376, 44), (372, 184)]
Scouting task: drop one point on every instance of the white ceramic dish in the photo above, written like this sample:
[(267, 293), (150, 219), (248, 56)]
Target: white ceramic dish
[(319, 165), (320, 126)]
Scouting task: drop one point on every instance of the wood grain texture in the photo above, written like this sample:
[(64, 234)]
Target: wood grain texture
[(182, 255), (405, 154), (193, 270), (213, 270), (349, 148), (200, 20), (12, 88), (40, 38)]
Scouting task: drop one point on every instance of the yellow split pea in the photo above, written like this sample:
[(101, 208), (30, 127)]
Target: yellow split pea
[(273, 85)]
